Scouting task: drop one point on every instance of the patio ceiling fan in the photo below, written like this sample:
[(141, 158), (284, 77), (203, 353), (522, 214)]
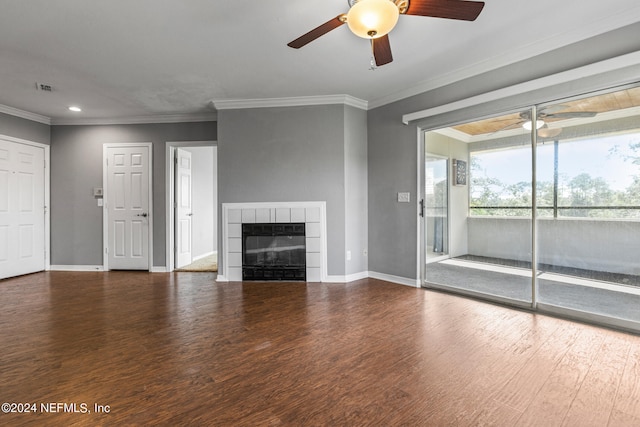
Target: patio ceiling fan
[(546, 115), (374, 19)]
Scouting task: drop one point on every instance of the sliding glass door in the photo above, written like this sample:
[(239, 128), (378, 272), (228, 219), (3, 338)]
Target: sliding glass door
[(589, 207), (490, 209), (547, 218)]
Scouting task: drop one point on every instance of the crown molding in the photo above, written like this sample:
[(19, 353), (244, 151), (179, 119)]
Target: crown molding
[(236, 104), (165, 118), (134, 120), (25, 114)]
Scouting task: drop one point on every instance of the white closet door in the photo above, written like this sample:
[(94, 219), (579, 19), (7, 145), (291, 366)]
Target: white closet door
[(22, 243)]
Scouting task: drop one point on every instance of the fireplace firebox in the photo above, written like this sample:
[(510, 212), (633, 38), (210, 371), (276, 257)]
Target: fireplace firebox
[(273, 251)]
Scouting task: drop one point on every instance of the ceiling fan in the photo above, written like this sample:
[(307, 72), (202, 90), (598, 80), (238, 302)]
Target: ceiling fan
[(546, 115), (374, 19)]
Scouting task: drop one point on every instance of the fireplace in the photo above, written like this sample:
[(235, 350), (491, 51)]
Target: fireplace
[(311, 214), (273, 251)]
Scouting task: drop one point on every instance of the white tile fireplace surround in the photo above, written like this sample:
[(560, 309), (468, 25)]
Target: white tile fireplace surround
[(313, 214)]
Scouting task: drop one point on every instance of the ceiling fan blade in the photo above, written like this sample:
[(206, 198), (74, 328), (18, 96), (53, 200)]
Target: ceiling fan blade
[(552, 109), (382, 50), (570, 115), (450, 9), (515, 125), (317, 32)]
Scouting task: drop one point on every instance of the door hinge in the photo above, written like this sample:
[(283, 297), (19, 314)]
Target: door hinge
[(421, 213)]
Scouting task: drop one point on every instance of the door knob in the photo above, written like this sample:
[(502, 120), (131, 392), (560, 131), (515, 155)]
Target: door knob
[(142, 214)]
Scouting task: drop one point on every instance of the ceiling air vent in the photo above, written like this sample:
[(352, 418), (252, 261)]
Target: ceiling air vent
[(44, 87)]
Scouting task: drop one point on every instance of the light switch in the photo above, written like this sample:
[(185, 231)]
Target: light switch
[(99, 202), (97, 192), (404, 197)]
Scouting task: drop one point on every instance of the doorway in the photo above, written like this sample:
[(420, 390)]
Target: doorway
[(191, 205)]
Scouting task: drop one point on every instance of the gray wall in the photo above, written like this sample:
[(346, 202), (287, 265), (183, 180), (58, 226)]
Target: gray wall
[(393, 150), (392, 159), (355, 173), (76, 168), (18, 127), (297, 154), (204, 200)]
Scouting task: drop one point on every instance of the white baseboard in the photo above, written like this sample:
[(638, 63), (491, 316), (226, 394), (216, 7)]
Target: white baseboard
[(76, 268), (415, 283), (161, 269), (357, 276), (346, 278)]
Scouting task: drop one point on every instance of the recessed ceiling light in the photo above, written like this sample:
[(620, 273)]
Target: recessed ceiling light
[(74, 108)]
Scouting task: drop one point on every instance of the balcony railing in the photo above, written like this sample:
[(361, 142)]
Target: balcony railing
[(556, 209)]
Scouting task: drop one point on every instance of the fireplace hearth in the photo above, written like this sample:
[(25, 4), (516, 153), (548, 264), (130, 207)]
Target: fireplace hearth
[(273, 251)]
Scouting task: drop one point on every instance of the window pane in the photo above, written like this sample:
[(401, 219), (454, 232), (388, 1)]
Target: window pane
[(602, 173), (501, 182)]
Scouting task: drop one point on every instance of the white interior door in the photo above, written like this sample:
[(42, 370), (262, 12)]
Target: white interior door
[(127, 202), (184, 212), (22, 216)]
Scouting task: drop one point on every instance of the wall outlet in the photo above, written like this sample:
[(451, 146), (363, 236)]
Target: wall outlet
[(404, 197)]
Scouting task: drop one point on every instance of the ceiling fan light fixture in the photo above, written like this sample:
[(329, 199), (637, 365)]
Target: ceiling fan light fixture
[(528, 125), (547, 132), (371, 19)]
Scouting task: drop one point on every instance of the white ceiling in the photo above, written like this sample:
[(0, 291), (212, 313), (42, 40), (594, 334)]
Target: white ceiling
[(140, 58)]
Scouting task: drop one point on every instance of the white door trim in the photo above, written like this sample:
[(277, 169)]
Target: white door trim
[(420, 223), (105, 215), (47, 193), (169, 173)]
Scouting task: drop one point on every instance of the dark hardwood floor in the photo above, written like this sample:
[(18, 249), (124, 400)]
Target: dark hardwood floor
[(180, 349)]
